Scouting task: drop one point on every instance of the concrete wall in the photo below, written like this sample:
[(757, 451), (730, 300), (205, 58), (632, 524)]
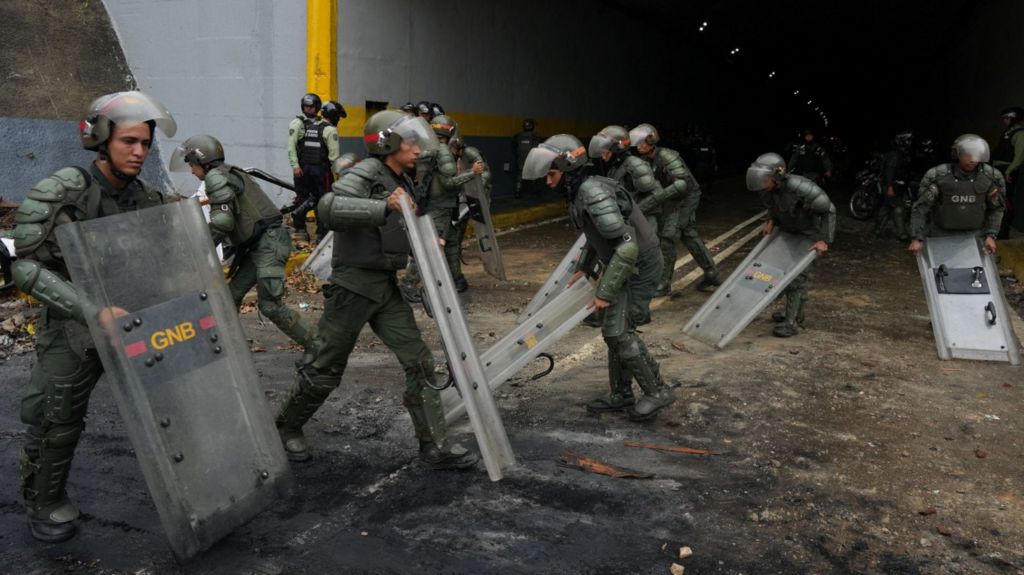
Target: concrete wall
[(234, 69)]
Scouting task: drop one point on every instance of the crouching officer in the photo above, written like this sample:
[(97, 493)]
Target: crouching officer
[(796, 205), (964, 197), (241, 212), (370, 246), (617, 233), (119, 128)]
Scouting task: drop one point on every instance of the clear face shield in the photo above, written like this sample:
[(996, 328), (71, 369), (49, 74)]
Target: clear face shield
[(639, 134), (600, 144), (538, 162), (416, 130), (127, 109), (758, 177)]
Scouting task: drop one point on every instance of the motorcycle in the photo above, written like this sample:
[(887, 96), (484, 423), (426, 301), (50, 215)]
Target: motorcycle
[(867, 197)]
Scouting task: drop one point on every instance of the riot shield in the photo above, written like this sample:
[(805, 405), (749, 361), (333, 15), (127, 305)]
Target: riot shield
[(773, 263), (319, 261), (483, 228), (180, 369), (463, 359), (556, 282), (970, 317)]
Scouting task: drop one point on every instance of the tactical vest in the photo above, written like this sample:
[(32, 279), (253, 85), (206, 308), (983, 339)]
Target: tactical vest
[(1004, 151), (525, 141), (961, 201), (383, 247), (636, 227), (312, 147), (252, 206)]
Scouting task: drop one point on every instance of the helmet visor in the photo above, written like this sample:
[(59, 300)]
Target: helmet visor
[(416, 130), (178, 163), (758, 177), (538, 162), (974, 149), (127, 109), (638, 134), (599, 144)]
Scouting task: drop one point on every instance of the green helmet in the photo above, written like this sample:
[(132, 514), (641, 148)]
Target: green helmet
[(561, 152), (201, 150), (644, 133), (444, 126), (384, 132), (765, 167), (123, 109), (611, 138)]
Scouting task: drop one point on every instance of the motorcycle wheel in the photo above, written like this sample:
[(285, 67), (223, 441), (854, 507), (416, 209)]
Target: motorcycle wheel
[(862, 203)]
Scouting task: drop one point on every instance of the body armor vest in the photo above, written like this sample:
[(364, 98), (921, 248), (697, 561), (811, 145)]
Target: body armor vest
[(252, 207), (636, 228), (1004, 150), (961, 201), (383, 247), (312, 148)]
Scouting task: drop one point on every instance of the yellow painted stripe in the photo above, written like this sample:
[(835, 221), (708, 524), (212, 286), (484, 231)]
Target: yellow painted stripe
[(322, 48), (480, 125)]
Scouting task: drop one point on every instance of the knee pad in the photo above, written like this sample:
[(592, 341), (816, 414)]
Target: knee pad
[(67, 396)]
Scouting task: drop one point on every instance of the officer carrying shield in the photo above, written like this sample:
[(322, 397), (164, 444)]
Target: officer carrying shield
[(119, 128), (241, 212), (796, 205), (617, 233), (370, 245), (963, 197)]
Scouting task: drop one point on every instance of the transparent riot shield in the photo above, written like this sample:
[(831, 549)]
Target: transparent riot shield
[(483, 228), (970, 317), (319, 261), (180, 369), (463, 359), (556, 282), (773, 263)]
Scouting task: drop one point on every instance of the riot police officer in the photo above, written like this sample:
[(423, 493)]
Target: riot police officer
[(119, 128), (522, 143), (241, 212), (332, 112), (963, 197), (796, 205), (678, 217), (439, 182), (466, 156), (809, 159), (617, 233), (1008, 158), (370, 246), (894, 178), (308, 153), (611, 146)]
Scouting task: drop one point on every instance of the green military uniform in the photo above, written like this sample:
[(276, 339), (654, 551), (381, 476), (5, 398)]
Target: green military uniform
[(470, 156), (637, 177), (242, 212), (809, 159), (1008, 157), (799, 206), (55, 403), (679, 219), (895, 172), (617, 236), (370, 245), (953, 202), (437, 174)]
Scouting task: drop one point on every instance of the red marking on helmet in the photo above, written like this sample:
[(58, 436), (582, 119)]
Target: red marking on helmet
[(135, 349), (371, 138), (82, 126), (578, 152)]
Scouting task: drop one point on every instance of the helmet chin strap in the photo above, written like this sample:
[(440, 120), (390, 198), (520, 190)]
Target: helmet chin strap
[(113, 169)]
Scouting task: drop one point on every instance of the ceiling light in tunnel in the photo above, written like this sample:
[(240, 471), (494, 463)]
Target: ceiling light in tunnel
[(796, 92), (771, 74), (809, 102)]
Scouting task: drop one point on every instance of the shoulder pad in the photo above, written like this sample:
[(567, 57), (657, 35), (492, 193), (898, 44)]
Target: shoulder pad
[(600, 200), (472, 154), (642, 174), (445, 161), (357, 181), (218, 186), (810, 194), (60, 185), (672, 161), (667, 155), (32, 211), (937, 171)]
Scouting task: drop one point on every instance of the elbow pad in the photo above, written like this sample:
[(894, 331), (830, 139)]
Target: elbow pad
[(337, 213), (618, 270), (54, 291)]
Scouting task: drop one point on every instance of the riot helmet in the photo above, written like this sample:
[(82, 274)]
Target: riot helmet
[(385, 131), (333, 112), (436, 110), (971, 147), (766, 167), (561, 152), (1013, 113), (408, 108), (311, 99), (423, 108), (644, 133), (457, 145), (904, 138), (611, 138), (444, 126), (123, 109), (529, 125), (202, 150)]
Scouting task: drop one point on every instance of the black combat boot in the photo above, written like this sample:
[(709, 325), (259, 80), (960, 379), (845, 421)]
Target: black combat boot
[(453, 457)]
